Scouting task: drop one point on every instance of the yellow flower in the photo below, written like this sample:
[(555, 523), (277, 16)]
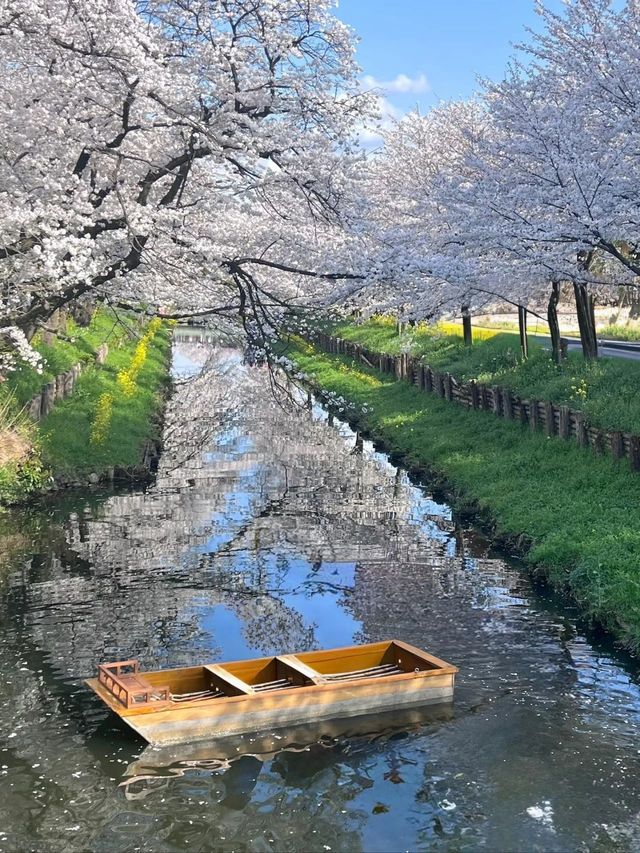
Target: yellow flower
[(102, 419), (127, 378)]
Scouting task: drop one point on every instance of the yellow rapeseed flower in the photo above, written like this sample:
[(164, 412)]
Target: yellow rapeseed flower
[(102, 419)]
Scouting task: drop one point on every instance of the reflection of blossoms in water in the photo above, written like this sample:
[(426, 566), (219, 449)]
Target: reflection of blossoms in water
[(270, 626), (248, 485), (201, 406), (283, 533)]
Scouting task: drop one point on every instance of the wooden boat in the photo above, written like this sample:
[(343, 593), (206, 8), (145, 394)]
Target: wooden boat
[(215, 700)]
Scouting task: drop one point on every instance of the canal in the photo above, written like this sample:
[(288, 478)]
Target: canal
[(270, 529)]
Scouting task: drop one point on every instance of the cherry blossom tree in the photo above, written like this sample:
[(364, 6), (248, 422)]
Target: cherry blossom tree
[(408, 228), (184, 155), (533, 185), (422, 210), (557, 177)]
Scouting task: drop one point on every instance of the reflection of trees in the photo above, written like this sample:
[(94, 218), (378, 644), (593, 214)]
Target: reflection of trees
[(242, 476), (253, 504), (245, 477), (247, 483), (275, 803)]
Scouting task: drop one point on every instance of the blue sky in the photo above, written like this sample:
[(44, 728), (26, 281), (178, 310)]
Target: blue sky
[(438, 45)]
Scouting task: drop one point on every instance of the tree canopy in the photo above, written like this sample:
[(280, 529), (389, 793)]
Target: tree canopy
[(201, 157)]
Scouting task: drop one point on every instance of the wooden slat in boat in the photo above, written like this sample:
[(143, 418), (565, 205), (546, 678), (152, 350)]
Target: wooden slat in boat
[(214, 700)]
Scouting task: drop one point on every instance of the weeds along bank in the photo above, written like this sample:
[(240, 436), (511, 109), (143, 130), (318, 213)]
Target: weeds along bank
[(106, 426), (576, 515)]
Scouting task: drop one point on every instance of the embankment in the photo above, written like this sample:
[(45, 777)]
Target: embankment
[(574, 515), (109, 426)]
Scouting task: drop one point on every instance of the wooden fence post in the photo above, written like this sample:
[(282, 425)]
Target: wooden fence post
[(35, 407), (565, 422), (496, 399), (484, 398), (507, 404), (599, 443), (582, 436), (475, 396), (534, 415), (59, 380), (448, 386), (634, 452), (428, 379), (414, 376), (617, 444), (523, 411), (549, 418), (48, 398)]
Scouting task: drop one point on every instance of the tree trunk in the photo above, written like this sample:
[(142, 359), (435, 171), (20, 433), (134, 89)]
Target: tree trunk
[(554, 325), (522, 324), (586, 320), (467, 332)]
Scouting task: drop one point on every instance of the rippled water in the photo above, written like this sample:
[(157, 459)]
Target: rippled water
[(276, 530)]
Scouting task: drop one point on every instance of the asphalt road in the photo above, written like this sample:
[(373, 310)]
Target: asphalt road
[(611, 349)]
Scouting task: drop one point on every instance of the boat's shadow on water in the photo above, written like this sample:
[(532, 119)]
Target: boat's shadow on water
[(294, 753)]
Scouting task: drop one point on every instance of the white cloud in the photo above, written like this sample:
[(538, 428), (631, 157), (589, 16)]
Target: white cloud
[(370, 135), (401, 84), (384, 92)]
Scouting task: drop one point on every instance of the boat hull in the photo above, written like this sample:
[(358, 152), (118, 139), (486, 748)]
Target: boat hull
[(171, 726), (264, 694), (292, 738)]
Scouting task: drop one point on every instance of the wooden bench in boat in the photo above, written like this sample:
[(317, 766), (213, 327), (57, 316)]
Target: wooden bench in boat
[(169, 706)]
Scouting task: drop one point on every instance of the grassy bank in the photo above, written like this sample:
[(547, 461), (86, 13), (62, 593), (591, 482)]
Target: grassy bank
[(77, 344), (107, 421), (112, 414), (578, 515), (606, 390)]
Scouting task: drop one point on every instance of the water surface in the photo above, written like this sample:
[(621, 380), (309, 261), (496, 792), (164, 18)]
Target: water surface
[(270, 530)]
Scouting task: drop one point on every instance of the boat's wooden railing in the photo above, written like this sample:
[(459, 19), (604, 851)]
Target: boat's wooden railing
[(124, 683)]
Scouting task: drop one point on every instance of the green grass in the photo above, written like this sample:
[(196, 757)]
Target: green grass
[(66, 433), (61, 356), (579, 513), (620, 333), (61, 442), (606, 390)]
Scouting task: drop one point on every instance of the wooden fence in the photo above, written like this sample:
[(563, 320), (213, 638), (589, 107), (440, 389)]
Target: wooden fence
[(560, 421), (62, 386)]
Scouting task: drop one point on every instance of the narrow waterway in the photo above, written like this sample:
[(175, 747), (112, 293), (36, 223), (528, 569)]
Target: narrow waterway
[(274, 529)]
